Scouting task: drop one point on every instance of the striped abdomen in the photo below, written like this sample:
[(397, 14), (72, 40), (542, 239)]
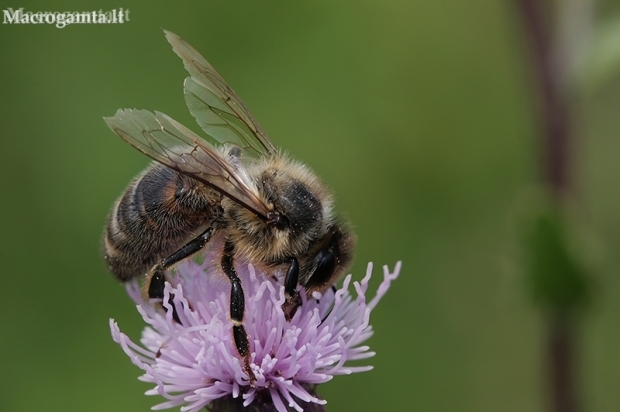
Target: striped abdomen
[(160, 210)]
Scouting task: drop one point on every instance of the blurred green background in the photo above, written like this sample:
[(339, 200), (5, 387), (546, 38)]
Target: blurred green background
[(420, 116)]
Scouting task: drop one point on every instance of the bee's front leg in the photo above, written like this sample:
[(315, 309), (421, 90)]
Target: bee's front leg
[(293, 300)]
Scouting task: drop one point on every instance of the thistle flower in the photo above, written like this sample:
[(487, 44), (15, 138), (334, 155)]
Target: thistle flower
[(195, 364)]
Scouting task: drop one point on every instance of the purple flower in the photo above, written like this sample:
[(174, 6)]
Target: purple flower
[(195, 363)]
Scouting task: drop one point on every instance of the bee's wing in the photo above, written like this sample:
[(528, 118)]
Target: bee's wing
[(172, 144), (216, 107)]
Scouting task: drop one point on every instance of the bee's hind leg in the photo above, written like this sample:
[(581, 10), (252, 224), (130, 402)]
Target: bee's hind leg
[(237, 309), (156, 277)]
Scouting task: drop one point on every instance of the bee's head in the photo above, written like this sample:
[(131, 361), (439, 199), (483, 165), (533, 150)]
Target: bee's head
[(295, 207), (300, 211)]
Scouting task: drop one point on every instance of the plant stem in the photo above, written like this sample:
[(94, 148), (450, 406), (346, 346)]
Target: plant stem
[(556, 125), (561, 354), (553, 104)]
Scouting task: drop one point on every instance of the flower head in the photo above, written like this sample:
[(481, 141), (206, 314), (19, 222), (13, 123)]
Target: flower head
[(195, 363)]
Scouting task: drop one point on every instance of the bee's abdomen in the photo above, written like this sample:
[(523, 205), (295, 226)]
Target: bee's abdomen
[(160, 210)]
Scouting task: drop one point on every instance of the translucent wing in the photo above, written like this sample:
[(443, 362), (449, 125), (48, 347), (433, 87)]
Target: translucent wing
[(172, 144), (215, 106)]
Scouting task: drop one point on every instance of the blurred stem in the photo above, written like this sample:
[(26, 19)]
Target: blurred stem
[(554, 108), (553, 92), (561, 355)]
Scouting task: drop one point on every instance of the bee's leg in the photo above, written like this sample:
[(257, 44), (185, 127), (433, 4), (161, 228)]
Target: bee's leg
[(291, 280), (237, 309), (324, 264), (157, 278), (156, 286), (334, 290), (190, 248)]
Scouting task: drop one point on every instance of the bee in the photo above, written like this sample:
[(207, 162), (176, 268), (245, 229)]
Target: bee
[(270, 210)]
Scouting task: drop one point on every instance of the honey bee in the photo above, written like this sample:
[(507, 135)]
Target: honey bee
[(271, 210)]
